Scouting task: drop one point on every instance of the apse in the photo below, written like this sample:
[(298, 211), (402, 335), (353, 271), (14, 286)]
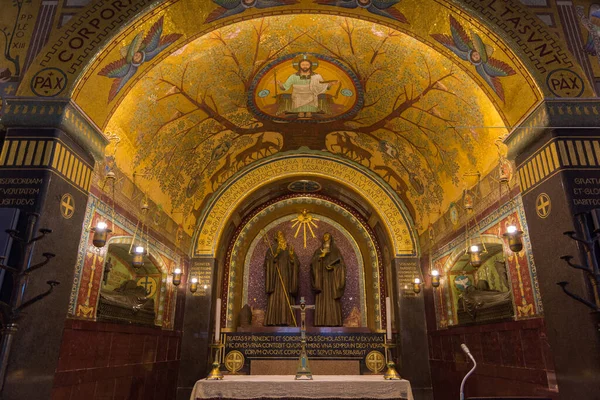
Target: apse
[(369, 196), (392, 104)]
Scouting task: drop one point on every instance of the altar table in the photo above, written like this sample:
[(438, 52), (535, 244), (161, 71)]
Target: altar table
[(252, 387)]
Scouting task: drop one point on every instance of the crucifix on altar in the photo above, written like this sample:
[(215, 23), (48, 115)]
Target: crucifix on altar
[(303, 371)]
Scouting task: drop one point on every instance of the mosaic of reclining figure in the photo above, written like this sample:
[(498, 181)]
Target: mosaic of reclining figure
[(126, 303), (482, 303)]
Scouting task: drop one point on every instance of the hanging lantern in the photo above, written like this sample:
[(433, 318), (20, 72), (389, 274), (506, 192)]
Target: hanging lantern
[(101, 232), (515, 238), (504, 171), (194, 285), (417, 286), (138, 257), (435, 278), (475, 256), (177, 276), (468, 201)]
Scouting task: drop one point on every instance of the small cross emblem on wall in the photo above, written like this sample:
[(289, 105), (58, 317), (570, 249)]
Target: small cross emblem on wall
[(149, 285), (67, 206), (543, 205)]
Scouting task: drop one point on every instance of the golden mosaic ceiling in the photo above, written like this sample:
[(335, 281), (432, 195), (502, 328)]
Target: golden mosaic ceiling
[(420, 117)]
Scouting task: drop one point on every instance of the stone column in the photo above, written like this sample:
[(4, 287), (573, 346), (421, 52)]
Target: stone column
[(198, 323), (412, 346), (46, 165), (559, 173)]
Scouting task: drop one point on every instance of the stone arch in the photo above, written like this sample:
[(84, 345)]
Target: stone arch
[(460, 251), (89, 37), (357, 230), (373, 190)]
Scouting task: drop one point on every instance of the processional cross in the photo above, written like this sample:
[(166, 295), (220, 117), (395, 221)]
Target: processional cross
[(303, 371)]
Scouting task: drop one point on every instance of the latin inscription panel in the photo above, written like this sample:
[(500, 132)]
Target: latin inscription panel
[(319, 345)]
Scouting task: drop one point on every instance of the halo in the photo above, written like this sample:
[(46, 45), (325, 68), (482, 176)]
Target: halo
[(305, 57)]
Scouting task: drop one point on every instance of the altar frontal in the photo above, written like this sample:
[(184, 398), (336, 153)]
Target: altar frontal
[(285, 387)]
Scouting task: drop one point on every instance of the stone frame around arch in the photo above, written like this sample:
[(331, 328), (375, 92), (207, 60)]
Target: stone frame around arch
[(86, 308), (370, 187), (459, 252), (157, 261), (376, 314)]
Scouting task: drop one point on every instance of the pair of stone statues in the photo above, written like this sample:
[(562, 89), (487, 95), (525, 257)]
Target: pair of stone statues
[(328, 280)]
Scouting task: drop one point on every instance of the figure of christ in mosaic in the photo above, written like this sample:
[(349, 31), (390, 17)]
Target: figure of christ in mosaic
[(281, 282), (306, 87), (328, 278)]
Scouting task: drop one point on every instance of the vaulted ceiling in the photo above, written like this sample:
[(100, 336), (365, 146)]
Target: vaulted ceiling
[(421, 114)]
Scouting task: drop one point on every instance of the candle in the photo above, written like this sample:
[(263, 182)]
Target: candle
[(388, 315), (218, 321)]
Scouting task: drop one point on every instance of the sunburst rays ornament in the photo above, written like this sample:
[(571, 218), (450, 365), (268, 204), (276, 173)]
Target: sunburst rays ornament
[(302, 221)]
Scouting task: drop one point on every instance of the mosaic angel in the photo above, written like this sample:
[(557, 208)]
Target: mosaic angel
[(231, 7), (380, 7), (477, 53), (138, 52), (594, 29)]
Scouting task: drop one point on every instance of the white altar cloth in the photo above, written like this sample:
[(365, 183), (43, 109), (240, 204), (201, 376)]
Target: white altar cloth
[(285, 387)]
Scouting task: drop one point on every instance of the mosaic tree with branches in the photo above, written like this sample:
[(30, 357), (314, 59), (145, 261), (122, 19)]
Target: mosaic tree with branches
[(402, 125), (9, 35)]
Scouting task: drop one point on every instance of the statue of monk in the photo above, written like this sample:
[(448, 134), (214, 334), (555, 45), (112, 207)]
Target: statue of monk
[(481, 297), (328, 278), (281, 273)]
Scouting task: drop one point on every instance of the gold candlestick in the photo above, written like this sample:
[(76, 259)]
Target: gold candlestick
[(215, 372), (390, 373)]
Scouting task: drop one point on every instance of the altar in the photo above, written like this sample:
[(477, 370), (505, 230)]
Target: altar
[(262, 327), (331, 387)]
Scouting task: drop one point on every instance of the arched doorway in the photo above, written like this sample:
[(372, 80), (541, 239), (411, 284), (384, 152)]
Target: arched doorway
[(201, 118)]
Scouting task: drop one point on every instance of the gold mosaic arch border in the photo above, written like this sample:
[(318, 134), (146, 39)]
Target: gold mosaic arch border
[(345, 212), (377, 193), (82, 42)]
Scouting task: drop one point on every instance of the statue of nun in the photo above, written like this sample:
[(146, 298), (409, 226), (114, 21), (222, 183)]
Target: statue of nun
[(328, 279)]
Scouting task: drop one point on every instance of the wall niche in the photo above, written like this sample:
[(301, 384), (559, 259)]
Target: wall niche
[(129, 294), (483, 294)]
